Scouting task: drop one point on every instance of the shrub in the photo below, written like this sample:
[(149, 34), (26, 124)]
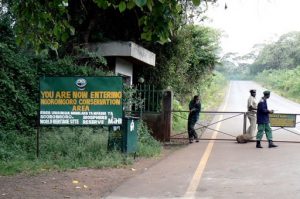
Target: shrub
[(147, 145)]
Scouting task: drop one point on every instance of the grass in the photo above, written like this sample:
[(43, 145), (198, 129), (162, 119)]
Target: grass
[(63, 148)]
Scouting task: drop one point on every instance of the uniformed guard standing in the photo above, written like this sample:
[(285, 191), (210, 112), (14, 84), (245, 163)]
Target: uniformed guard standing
[(195, 108), (252, 108), (263, 121)]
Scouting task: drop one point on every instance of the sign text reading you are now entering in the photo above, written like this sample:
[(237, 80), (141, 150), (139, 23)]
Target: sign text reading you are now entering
[(81, 100)]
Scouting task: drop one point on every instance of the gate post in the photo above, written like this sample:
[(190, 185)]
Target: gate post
[(245, 123), (167, 114)]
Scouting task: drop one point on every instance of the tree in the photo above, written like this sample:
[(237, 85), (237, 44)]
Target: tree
[(282, 54), (63, 26), (48, 24), (187, 61)]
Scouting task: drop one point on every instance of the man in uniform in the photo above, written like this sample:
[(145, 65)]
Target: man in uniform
[(195, 108), (252, 107), (263, 121)]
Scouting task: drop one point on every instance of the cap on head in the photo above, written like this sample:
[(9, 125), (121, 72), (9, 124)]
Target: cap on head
[(266, 92), (252, 91)]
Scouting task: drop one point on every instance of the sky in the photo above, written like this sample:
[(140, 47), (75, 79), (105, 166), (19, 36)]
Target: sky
[(248, 22)]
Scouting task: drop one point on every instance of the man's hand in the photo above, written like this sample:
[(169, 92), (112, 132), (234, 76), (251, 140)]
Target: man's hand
[(271, 111), (193, 109)]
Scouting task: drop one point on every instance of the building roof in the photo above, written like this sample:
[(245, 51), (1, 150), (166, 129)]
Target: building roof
[(124, 49)]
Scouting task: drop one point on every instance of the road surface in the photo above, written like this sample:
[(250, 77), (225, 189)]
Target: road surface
[(224, 169)]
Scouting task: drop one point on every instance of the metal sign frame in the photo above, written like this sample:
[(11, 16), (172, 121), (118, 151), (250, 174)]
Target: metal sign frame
[(283, 120), (83, 101)]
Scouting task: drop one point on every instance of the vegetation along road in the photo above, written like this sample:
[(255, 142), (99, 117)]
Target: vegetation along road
[(225, 169)]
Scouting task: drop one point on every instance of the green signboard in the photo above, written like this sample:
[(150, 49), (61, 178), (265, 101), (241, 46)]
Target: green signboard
[(283, 120), (81, 101)]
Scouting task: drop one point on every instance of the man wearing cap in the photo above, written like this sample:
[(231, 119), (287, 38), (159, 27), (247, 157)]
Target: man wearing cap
[(263, 121), (252, 107)]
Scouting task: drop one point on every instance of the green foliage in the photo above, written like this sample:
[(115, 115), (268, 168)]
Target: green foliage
[(147, 145), (212, 94), (49, 20), (179, 119), (57, 22), (14, 145), (212, 91), (286, 82), (60, 148), (131, 101), (6, 31), (68, 147), (282, 54), (73, 143), (19, 85), (187, 61), (18, 91)]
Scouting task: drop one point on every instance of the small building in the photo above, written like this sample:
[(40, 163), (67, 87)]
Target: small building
[(130, 61), (126, 59)]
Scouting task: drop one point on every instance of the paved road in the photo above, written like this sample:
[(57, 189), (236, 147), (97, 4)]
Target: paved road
[(224, 169)]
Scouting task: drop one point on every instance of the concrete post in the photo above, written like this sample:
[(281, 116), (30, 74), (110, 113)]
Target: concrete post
[(245, 123), (167, 115)]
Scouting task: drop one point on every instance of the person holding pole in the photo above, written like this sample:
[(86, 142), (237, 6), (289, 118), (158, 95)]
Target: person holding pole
[(251, 113), (195, 108)]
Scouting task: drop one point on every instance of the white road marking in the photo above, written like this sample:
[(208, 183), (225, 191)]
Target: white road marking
[(192, 188)]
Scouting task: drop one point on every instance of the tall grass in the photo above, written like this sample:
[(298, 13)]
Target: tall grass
[(147, 145), (64, 148)]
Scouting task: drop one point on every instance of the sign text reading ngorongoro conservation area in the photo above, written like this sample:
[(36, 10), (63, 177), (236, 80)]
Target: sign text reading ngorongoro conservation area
[(81, 101)]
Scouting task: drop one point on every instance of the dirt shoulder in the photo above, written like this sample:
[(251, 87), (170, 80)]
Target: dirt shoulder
[(82, 183)]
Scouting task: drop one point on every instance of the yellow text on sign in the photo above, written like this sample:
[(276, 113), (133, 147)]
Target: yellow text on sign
[(283, 120)]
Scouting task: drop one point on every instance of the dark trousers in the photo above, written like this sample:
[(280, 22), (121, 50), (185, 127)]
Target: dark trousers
[(191, 129)]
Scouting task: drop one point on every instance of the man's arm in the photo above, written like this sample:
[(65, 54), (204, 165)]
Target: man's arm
[(251, 104), (195, 107), (191, 106)]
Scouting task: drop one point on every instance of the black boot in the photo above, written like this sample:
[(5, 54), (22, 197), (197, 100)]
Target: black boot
[(258, 144), (271, 145)]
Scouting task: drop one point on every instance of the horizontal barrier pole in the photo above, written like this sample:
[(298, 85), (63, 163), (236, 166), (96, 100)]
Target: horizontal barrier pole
[(174, 111), (180, 111), (223, 139), (204, 139)]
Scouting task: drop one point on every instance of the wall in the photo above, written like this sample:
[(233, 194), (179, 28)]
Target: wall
[(124, 67)]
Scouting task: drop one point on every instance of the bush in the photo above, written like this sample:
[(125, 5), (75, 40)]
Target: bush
[(284, 81), (179, 119), (19, 80), (147, 145)]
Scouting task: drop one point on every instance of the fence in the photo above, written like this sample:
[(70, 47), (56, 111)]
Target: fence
[(152, 98), (234, 124)]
